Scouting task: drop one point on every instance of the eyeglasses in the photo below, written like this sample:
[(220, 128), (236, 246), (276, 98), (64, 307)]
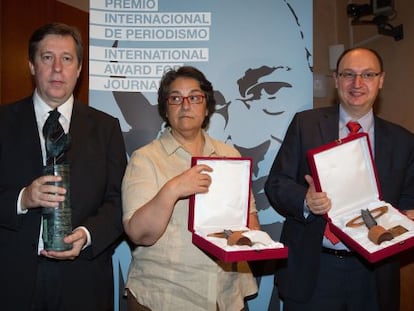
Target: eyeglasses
[(351, 76), (176, 100)]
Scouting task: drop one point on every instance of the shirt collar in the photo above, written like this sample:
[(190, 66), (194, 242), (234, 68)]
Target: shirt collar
[(171, 145), (366, 121), (42, 109)]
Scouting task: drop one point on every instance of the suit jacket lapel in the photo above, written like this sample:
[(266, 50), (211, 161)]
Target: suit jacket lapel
[(383, 147), (80, 126), (27, 133), (328, 124)]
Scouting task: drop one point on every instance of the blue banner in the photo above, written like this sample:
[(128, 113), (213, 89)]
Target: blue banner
[(258, 56)]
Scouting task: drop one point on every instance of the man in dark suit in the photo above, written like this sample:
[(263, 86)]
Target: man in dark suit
[(80, 278), (319, 274)]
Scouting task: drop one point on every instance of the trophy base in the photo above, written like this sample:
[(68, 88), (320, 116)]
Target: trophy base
[(57, 222), (378, 234), (56, 225), (237, 238)]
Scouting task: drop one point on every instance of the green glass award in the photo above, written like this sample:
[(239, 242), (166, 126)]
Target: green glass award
[(57, 222)]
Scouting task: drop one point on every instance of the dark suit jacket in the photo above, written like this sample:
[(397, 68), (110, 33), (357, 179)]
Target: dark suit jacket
[(97, 161), (286, 189)]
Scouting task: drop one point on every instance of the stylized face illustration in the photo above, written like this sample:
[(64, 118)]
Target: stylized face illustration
[(268, 86), (269, 95)]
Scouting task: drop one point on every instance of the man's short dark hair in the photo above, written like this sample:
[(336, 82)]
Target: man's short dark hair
[(55, 29), (358, 48)]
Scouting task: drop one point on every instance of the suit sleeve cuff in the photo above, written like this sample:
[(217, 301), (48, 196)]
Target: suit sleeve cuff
[(88, 237), (306, 210), (21, 210)]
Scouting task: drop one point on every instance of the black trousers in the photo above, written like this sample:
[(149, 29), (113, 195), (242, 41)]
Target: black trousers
[(344, 284), (48, 290)]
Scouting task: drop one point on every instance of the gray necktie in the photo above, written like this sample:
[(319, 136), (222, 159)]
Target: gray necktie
[(54, 138)]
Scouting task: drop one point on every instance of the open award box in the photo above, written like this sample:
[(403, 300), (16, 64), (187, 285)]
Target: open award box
[(218, 219), (345, 170)]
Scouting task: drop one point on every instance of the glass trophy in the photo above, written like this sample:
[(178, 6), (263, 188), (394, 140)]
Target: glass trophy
[(57, 222)]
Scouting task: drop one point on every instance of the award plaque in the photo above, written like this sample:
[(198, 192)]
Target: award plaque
[(346, 171), (219, 218)]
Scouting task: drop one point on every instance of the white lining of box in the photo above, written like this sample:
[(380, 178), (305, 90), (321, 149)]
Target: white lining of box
[(224, 205), (362, 192)]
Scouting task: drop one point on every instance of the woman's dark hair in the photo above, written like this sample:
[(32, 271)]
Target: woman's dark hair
[(185, 72), (55, 29), (358, 48)]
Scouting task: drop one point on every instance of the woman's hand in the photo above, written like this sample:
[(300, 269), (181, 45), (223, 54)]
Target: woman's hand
[(192, 181)]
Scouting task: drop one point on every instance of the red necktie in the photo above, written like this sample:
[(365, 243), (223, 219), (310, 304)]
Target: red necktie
[(353, 127), (330, 236)]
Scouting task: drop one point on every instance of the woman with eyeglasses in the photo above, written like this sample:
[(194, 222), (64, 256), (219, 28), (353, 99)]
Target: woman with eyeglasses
[(167, 271)]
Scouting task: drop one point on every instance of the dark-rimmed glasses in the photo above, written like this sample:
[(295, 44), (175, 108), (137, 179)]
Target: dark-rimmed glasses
[(176, 100), (351, 76)]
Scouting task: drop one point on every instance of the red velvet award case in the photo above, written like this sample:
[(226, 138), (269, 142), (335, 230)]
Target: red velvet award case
[(226, 207), (345, 170)]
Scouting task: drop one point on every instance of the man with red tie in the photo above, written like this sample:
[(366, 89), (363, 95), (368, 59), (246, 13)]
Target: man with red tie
[(321, 272)]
